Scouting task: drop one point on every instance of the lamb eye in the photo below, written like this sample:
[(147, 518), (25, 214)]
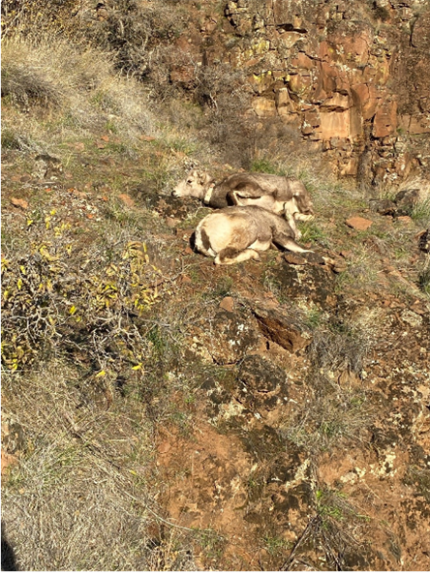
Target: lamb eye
[(189, 181)]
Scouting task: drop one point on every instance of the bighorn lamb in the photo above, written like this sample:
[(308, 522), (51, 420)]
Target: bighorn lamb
[(273, 192), (235, 234)]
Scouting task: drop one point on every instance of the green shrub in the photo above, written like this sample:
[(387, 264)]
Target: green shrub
[(263, 166), (9, 139), (62, 291), (421, 212), (424, 281)]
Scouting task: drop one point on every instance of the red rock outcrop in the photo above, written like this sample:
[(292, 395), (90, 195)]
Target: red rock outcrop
[(352, 77)]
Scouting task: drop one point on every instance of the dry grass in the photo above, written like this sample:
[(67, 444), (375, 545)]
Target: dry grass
[(84, 494), (78, 84), (339, 347), (331, 417), (81, 498), (68, 490)]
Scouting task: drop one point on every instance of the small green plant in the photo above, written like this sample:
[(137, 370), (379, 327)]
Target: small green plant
[(276, 545), (421, 212), (9, 139), (264, 166), (334, 505), (424, 281), (156, 338), (314, 318), (223, 287), (254, 486), (111, 127), (401, 252), (190, 399), (183, 421), (311, 232), (328, 506), (334, 526), (183, 145), (120, 148), (253, 483), (212, 543)]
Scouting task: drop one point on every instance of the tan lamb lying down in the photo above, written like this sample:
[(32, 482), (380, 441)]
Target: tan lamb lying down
[(282, 195), (235, 234)]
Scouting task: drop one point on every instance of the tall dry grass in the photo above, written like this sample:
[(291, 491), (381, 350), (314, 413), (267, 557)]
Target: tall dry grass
[(80, 498), (77, 84)]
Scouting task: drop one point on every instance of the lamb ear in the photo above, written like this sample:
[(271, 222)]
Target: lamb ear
[(203, 178)]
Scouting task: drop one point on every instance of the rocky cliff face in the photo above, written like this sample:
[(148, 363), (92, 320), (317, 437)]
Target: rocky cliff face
[(349, 77), (352, 77)]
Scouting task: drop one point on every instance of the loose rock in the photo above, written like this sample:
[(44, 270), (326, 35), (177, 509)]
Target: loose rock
[(282, 329), (359, 223)]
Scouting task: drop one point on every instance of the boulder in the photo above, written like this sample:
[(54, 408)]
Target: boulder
[(383, 206), (407, 199), (358, 223)]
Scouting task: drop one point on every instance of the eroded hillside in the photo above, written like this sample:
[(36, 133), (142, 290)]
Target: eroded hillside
[(163, 413)]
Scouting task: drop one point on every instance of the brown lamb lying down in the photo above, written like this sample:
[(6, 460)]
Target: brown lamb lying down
[(235, 234), (288, 197)]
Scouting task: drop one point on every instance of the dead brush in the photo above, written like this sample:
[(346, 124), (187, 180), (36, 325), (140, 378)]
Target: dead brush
[(330, 536), (125, 29), (26, 86), (131, 30), (32, 18)]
